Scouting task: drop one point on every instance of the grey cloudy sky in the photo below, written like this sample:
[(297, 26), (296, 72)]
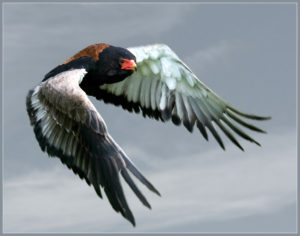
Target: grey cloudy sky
[(244, 52)]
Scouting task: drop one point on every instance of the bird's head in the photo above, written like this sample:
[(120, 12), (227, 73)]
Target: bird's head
[(115, 64)]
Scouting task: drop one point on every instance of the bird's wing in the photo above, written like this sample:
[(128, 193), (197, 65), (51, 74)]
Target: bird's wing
[(67, 125), (163, 87)]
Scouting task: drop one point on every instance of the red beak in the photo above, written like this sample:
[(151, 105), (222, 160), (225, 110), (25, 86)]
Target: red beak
[(128, 64)]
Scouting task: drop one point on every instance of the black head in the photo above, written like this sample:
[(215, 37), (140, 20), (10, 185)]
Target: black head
[(114, 65)]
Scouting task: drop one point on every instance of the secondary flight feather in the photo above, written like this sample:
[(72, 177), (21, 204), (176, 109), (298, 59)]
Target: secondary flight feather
[(151, 80)]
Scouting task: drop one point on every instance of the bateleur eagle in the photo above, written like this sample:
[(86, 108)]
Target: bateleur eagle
[(149, 79)]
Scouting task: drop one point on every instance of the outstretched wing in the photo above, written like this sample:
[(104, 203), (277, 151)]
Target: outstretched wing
[(67, 125), (163, 87)]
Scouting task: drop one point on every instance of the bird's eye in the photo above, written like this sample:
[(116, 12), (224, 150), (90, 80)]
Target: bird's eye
[(121, 61)]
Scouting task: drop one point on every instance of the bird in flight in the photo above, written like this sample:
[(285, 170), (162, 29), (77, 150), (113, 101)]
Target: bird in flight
[(148, 79)]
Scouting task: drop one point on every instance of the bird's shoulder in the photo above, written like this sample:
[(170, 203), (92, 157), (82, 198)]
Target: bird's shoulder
[(85, 58), (90, 51)]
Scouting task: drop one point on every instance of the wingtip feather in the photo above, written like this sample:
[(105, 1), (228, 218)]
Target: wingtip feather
[(134, 188), (249, 116)]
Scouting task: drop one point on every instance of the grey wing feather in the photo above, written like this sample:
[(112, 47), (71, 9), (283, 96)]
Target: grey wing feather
[(164, 87)]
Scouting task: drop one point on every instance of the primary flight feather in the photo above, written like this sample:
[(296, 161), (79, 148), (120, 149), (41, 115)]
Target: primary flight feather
[(151, 79)]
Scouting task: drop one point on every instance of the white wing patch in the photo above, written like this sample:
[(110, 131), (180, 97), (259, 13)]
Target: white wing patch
[(164, 83), (56, 129)]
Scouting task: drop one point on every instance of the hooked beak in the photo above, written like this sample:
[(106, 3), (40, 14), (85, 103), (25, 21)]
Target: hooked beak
[(128, 64)]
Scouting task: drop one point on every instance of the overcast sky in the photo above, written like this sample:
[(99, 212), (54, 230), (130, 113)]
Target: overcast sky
[(244, 52)]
